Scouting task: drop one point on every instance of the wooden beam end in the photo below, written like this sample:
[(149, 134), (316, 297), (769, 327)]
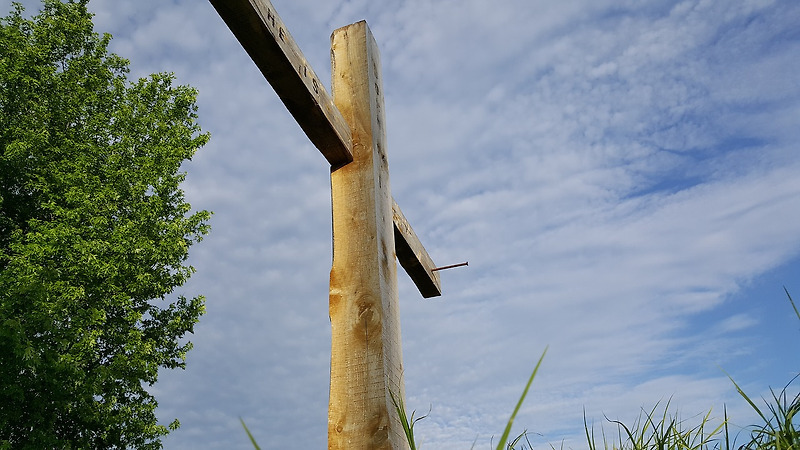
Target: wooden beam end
[(413, 256)]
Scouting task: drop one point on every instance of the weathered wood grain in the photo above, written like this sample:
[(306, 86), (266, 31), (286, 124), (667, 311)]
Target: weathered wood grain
[(265, 38), (366, 355)]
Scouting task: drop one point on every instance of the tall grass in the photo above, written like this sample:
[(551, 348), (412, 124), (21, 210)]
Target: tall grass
[(778, 429), (408, 425), (502, 444), (659, 429)]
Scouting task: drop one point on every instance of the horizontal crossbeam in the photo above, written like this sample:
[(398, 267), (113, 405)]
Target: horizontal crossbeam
[(263, 35), (265, 38)]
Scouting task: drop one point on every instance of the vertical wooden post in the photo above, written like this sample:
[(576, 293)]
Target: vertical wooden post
[(366, 356)]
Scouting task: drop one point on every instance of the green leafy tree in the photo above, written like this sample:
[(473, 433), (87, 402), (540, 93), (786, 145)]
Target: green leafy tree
[(94, 235)]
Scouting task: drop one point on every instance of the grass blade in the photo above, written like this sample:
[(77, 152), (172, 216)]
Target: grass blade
[(792, 302), (408, 424), (504, 438), (252, 439), (752, 405)]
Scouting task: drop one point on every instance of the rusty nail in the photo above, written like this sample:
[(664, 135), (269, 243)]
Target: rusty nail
[(450, 266)]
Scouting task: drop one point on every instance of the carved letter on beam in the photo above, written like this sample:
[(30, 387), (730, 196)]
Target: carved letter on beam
[(413, 256), (262, 33)]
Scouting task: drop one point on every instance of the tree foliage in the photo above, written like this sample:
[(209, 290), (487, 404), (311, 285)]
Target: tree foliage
[(94, 235)]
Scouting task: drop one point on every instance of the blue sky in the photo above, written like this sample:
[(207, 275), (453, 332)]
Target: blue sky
[(622, 177)]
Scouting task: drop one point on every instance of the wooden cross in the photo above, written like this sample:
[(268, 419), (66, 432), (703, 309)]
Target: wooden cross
[(369, 230)]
